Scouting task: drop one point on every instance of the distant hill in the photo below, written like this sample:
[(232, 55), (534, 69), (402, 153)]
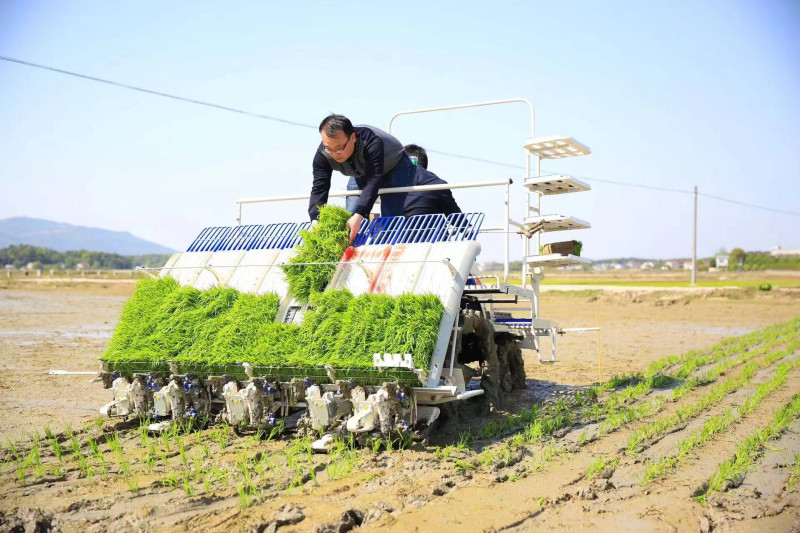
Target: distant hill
[(63, 237)]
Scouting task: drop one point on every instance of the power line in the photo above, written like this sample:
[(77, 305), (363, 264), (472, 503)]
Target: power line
[(302, 125), (748, 205), (158, 93)]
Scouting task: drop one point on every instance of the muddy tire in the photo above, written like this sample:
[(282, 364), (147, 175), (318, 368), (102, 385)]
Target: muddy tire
[(511, 368)]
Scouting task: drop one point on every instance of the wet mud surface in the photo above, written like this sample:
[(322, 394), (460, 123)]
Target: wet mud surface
[(479, 470)]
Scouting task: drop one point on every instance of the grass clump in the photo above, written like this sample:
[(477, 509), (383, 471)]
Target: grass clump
[(325, 243)]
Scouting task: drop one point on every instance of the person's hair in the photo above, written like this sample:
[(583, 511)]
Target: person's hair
[(414, 150), (333, 124)]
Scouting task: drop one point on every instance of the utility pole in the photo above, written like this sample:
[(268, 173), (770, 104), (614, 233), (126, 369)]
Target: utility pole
[(694, 241)]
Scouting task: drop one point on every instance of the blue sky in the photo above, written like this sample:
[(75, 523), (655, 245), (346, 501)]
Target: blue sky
[(669, 95)]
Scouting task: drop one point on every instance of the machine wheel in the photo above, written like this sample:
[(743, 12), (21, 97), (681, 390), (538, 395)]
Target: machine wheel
[(511, 368)]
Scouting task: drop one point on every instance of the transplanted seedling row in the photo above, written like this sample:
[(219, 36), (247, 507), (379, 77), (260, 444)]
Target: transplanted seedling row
[(716, 425), (613, 412), (664, 425), (749, 450)]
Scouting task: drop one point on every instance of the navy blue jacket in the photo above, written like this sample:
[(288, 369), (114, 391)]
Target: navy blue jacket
[(429, 202)]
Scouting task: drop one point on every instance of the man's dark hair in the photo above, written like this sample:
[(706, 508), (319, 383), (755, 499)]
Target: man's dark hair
[(414, 150), (333, 124)]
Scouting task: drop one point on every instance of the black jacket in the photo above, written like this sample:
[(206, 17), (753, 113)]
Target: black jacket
[(381, 153), (429, 202)]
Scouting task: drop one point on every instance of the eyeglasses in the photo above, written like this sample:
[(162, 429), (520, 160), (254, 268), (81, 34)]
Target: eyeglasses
[(337, 151)]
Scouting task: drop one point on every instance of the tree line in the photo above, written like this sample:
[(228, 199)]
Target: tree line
[(741, 260), (20, 255)]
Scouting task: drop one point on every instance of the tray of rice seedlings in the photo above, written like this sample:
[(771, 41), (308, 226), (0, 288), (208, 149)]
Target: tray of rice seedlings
[(158, 335), (322, 324), (414, 327), (136, 314), (324, 243), (365, 322), (203, 323)]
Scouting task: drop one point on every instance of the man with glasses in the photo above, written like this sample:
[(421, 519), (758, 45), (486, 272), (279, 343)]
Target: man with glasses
[(371, 157)]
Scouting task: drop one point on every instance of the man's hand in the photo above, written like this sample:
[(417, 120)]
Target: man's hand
[(354, 224), (314, 224)]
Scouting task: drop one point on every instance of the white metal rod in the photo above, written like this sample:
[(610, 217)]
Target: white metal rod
[(390, 190), (507, 240), (410, 261), (464, 106), (566, 330)]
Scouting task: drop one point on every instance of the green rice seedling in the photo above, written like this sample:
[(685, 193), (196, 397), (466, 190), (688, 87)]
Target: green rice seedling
[(205, 449), (75, 446), (597, 466), (182, 451), (165, 441), (187, 486), (150, 457), (57, 450), (170, 481), (197, 466), (220, 476), (48, 433), (245, 492), (133, 484), (12, 449), (221, 435), (324, 243), (144, 437), (103, 466), (794, 477), (115, 446), (125, 467)]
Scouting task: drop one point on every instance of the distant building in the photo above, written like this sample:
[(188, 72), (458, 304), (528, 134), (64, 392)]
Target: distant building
[(687, 265), (777, 251), (671, 265), (722, 261), (647, 264), (9, 267)]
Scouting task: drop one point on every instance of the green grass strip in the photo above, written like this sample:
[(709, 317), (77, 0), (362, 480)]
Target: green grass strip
[(751, 449), (663, 466)]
